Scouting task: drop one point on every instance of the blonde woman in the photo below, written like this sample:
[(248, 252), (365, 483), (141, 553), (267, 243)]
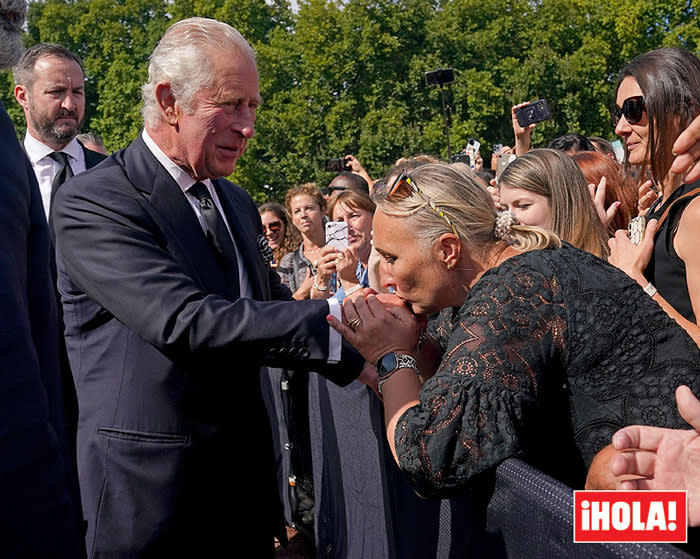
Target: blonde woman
[(540, 350)]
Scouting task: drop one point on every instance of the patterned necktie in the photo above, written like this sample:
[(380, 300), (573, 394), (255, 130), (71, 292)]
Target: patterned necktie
[(217, 233)]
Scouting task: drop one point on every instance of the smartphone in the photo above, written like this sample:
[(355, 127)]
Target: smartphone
[(472, 150), (335, 164), (635, 229), (619, 150), (337, 234), (533, 112), (502, 161)]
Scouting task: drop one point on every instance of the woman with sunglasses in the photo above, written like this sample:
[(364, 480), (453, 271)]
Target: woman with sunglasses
[(658, 95), (545, 188), (540, 350), (281, 237)]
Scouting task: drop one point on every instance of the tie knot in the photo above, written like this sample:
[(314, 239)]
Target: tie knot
[(200, 191), (60, 157)]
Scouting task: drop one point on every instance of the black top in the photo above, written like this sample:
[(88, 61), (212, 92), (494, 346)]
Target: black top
[(551, 353), (666, 270)]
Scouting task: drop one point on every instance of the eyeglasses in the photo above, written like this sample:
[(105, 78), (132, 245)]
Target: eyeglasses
[(272, 226), (632, 109), (403, 179)]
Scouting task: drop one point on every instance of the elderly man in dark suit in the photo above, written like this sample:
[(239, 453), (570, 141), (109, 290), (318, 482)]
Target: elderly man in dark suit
[(171, 308), (38, 513)]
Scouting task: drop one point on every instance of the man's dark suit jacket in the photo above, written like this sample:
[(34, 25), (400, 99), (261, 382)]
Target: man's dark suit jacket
[(37, 509), (70, 401), (175, 453)]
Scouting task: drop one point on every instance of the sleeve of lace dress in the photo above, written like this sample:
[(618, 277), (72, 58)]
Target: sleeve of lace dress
[(474, 412)]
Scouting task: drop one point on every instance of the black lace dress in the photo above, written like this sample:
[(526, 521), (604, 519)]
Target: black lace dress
[(551, 353)]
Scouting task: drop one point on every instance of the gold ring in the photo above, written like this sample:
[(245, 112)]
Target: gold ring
[(354, 323)]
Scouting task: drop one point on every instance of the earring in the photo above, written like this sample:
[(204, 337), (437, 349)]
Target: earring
[(449, 266)]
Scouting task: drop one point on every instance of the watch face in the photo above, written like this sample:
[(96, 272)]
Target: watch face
[(386, 364)]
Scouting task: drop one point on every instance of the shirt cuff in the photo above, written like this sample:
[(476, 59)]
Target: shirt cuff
[(335, 340)]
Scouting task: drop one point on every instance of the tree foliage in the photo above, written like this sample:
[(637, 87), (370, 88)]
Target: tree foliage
[(349, 77)]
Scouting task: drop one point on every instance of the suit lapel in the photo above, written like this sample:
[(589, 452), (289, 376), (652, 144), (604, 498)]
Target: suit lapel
[(178, 222), (92, 158)]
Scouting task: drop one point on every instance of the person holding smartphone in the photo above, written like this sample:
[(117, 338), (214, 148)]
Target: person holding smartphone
[(350, 264)]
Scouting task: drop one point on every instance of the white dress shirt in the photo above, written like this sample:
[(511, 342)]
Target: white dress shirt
[(45, 168)]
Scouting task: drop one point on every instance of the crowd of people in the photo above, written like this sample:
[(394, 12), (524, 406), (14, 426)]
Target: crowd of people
[(469, 318)]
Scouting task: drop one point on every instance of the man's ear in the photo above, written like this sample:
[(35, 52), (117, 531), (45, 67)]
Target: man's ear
[(167, 103), (22, 96)]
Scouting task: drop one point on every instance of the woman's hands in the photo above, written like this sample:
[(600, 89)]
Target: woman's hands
[(606, 215), (647, 196), (630, 258), (377, 324), (343, 263)]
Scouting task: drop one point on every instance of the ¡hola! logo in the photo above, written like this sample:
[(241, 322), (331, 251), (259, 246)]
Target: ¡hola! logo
[(630, 516)]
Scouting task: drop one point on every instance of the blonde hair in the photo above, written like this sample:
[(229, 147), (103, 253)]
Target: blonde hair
[(467, 205), (555, 175)]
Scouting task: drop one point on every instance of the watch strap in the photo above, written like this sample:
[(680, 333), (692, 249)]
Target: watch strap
[(403, 361)]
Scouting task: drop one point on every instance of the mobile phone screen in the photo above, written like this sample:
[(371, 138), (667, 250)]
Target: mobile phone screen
[(337, 234)]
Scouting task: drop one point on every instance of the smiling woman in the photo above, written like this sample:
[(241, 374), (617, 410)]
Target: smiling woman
[(658, 95)]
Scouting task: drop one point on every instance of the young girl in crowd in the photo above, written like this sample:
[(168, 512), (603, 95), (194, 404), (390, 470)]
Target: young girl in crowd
[(545, 188)]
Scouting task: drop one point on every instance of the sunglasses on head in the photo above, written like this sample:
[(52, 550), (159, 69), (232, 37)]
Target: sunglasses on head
[(402, 180), (632, 109), (272, 226)]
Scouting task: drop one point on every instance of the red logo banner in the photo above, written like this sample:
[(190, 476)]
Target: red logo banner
[(630, 516)]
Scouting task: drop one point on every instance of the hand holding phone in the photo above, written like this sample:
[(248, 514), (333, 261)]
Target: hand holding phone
[(532, 113)]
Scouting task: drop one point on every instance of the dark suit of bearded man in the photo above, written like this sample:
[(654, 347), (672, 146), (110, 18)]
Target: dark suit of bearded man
[(175, 452)]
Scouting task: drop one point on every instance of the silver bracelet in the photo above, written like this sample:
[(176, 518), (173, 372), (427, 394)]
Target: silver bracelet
[(650, 290), (317, 286), (353, 289)]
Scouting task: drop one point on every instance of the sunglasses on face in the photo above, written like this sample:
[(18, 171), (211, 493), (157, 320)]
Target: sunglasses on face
[(273, 226), (404, 180), (632, 109)]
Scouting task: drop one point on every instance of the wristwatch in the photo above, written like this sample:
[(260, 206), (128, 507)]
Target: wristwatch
[(391, 363)]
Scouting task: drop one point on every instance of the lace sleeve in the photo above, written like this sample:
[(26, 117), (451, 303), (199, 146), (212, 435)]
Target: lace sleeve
[(476, 410)]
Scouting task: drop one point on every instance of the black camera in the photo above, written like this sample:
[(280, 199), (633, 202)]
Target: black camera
[(336, 164), (440, 76), (532, 113)]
